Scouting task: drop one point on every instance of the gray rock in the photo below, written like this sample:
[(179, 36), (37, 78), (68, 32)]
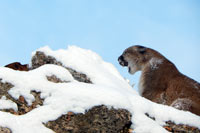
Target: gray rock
[(177, 128), (54, 79), (22, 105), (99, 119), (174, 128), (5, 130), (40, 59)]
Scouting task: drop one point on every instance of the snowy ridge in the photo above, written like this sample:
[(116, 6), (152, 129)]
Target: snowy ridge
[(109, 88), (85, 61)]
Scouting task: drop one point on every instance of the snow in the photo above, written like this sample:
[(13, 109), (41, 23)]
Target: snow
[(7, 104), (108, 88)]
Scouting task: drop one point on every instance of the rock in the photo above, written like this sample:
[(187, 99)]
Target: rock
[(54, 79), (18, 66), (40, 59), (180, 128), (5, 87), (23, 108), (172, 127), (5, 130), (99, 119)]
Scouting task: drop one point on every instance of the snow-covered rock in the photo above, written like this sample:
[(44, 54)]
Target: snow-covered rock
[(81, 93)]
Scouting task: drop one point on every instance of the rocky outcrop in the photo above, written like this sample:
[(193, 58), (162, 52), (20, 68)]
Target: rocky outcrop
[(22, 105), (40, 59), (98, 119), (4, 130), (180, 128), (177, 128)]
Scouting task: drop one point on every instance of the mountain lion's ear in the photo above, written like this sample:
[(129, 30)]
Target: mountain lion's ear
[(141, 49)]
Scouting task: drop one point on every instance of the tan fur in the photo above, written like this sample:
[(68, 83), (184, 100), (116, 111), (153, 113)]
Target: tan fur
[(160, 80)]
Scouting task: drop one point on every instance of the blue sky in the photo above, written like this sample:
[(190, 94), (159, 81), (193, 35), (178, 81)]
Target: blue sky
[(106, 27)]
